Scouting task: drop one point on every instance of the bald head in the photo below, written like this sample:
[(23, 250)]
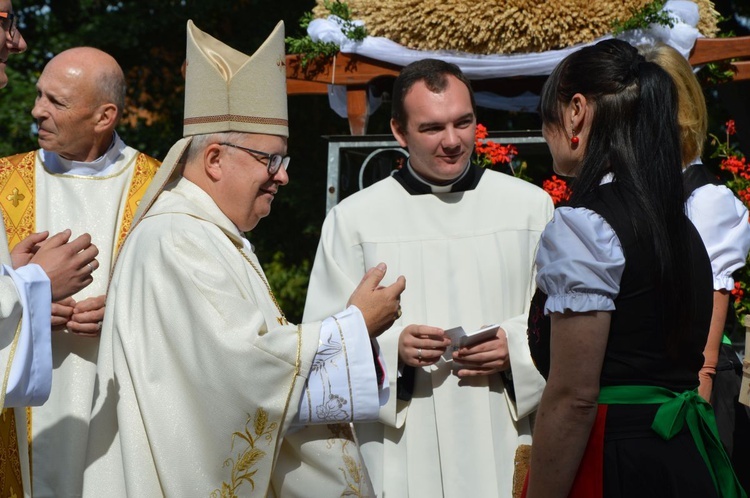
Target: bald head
[(94, 68), (80, 98)]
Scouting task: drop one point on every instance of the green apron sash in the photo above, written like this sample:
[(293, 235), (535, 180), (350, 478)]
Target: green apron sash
[(677, 410)]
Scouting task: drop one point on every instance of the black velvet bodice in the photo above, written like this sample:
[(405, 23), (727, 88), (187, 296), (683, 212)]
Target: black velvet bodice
[(637, 349)]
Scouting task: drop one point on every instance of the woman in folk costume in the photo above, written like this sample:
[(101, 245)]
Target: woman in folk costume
[(722, 222), (621, 316)]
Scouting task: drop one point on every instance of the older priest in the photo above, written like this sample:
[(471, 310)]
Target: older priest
[(200, 377), (86, 179)]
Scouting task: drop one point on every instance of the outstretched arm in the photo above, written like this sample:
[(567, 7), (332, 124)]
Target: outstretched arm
[(569, 403)]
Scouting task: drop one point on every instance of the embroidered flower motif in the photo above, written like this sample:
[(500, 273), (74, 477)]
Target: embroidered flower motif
[(242, 466), (333, 409)]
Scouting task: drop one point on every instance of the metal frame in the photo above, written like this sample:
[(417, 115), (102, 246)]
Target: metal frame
[(383, 143)]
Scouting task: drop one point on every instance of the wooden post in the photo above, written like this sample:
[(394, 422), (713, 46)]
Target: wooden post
[(357, 109)]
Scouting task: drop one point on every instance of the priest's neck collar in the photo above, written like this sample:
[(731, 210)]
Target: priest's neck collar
[(100, 166), (418, 185)]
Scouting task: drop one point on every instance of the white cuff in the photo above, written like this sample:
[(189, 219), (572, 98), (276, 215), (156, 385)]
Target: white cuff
[(342, 386), (30, 378)]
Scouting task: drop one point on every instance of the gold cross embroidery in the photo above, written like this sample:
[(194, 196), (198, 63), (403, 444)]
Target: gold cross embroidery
[(16, 197)]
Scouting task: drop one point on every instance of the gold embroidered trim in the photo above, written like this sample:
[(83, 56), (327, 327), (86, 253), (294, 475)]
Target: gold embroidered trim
[(352, 472), (234, 117), (11, 354), (10, 457), (145, 169), (346, 359), (281, 318), (11, 481), (297, 366), (242, 467), (17, 196)]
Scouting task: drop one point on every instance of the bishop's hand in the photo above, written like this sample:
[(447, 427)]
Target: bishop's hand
[(379, 305)]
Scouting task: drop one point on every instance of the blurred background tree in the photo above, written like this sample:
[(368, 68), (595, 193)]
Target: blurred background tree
[(148, 40)]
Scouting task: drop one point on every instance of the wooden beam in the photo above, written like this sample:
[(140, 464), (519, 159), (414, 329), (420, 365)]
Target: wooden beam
[(718, 49), (742, 69), (357, 72), (343, 69)]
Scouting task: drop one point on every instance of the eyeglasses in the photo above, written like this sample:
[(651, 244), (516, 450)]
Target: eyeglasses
[(9, 23), (275, 161)]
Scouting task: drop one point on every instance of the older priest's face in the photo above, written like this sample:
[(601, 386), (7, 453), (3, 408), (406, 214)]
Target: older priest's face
[(247, 189)]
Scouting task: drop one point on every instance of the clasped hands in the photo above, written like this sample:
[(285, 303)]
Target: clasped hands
[(422, 345), (69, 265)]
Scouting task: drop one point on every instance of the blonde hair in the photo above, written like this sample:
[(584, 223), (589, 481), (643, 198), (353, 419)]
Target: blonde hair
[(692, 116)]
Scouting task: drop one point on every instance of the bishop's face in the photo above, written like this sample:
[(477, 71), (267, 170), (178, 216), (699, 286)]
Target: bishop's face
[(247, 188), (439, 131)]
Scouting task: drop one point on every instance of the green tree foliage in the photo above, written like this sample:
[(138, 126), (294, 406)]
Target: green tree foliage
[(148, 40)]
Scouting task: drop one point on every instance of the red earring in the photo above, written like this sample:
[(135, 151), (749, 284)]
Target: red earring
[(574, 140)]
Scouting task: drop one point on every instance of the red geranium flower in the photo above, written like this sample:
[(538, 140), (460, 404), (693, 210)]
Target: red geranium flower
[(731, 130), (557, 188)]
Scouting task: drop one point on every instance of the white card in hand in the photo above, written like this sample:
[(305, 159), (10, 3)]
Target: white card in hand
[(459, 338)]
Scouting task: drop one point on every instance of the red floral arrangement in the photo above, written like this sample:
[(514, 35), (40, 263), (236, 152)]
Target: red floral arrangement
[(490, 154), (735, 163), (557, 188)]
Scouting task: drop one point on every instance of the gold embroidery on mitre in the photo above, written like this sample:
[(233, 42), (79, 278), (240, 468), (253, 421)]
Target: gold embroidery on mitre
[(17, 186), (242, 466), (145, 170)]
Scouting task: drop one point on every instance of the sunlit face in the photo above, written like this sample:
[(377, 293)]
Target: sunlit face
[(439, 131), (14, 45), (66, 110), (247, 189)]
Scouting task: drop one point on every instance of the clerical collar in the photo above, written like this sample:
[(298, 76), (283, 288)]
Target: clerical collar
[(102, 166), (416, 185)]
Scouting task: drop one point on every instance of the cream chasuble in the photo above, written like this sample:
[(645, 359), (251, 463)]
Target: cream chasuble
[(101, 206), (468, 259), (198, 384)]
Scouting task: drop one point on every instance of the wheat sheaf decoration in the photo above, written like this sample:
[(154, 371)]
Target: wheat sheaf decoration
[(499, 26)]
